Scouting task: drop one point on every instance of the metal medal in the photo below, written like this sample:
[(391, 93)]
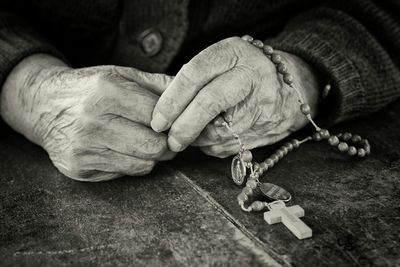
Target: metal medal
[(275, 192), (238, 170)]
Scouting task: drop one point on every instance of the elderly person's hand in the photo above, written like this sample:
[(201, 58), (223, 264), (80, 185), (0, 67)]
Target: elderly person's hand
[(93, 122), (234, 76)]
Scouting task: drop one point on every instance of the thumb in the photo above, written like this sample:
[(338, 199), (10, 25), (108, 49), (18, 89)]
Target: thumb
[(155, 82)]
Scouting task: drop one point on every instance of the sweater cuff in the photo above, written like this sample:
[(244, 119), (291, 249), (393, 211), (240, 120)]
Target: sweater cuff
[(347, 98), (17, 43)]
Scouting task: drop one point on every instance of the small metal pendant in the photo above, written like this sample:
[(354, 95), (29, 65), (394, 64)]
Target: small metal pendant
[(238, 170), (275, 192)]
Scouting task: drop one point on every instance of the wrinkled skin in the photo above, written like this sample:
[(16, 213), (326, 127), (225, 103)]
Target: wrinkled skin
[(93, 122), (233, 76)]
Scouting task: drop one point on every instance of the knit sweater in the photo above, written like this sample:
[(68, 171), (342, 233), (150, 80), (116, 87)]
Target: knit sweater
[(352, 44)]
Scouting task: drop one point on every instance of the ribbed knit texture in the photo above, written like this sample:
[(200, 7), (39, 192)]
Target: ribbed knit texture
[(17, 42), (363, 73), (353, 44)]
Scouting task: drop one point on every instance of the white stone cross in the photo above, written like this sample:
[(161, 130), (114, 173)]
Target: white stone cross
[(289, 216)]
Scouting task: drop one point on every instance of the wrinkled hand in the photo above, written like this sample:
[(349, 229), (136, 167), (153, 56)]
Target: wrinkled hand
[(233, 76), (94, 122)]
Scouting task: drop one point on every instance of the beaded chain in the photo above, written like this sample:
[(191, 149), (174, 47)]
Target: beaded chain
[(244, 158)]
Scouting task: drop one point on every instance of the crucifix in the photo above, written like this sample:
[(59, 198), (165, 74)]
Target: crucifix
[(289, 216)]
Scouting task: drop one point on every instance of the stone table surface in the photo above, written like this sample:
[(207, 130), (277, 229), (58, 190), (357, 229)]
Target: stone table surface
[(185, 212)]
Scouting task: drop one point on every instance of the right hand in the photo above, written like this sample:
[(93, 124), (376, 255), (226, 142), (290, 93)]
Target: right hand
[(93, 122)]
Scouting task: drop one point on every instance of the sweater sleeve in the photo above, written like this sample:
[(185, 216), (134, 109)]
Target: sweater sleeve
[(356, 49), (18, 41)]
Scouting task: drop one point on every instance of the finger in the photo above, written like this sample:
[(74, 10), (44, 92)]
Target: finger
[(251, 140), (89, 175), (193, 76), (222, 93), (104, 164), (130, 138), (156, 82), (113, 161), (168, 155), (222, 150), (242, 119), (130, 101)]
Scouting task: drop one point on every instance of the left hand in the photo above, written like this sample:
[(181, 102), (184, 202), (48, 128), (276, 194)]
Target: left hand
[(234, 76)]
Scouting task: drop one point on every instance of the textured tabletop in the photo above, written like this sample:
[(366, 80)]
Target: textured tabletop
[(185, 212)]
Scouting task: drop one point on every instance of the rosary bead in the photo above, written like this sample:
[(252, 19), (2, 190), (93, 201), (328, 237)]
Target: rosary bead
[(295, 143), (333, 140), (356, 138), (289, 146), (268, 50), (305, 109), (343, 147), (285, 150), (276, 58), (247, 38), (260, 172), (317, 136), (364, 142), (263, 166), (280, 153), (352, 151), (288, 78), (256, 166), (254, 176), (326, 91), (282, 69), (367, 149), (275, 158), (324, 133), (242, 198), (247, 190), (257, 205), (247, 156), (258, 43), (346, 136), (361, 152), (366, 146), (270, 163)]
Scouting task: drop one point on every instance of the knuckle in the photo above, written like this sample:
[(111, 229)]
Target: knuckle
[(99, 97), (98, 80), (84, 132)]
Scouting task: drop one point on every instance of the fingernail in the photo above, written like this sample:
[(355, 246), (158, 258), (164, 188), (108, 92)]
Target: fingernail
[(167, 155), (159, 123), (174, 145)]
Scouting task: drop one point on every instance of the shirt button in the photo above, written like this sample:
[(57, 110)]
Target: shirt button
[(151, 42)]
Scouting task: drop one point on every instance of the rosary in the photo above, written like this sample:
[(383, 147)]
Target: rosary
[(352, 145)]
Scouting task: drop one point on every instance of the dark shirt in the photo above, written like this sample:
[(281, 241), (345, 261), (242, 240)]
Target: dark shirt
[(353, 44)]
